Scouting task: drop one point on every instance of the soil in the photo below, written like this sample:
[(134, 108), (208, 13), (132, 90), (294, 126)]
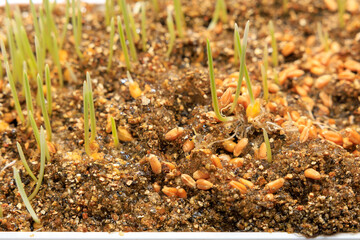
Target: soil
[(116, 189)]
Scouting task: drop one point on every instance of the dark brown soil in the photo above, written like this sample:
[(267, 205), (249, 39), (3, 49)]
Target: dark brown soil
[(113, 189)]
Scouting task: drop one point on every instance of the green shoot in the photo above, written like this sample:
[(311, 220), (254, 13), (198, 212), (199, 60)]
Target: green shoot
[(1, 72), (143, 26), (12, 83), (56, 58), (109, 12), (43, 149), (77, 26), (128, 30), (12, 48), (23, 160), (111, 46), (341, 11), (236, 50), (213, 85), (49, 18), (265, 83), (179, 18), (26, 85), (92, 108), (170, 24), (265, 58), (35, 20), (114, 132), (37, 134), (86, 118), (323, 37), (25, 199), (274, 53), (63, 33), (220, 11), (40, 55), (268, 148), (123, 44), (7, 9), (243, 69), (43, 108), (132, 24), (48, 89), (1, 211), (155, 5)]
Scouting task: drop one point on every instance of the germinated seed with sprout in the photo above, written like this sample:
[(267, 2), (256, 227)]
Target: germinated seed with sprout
[(22, 192), (123, 44)]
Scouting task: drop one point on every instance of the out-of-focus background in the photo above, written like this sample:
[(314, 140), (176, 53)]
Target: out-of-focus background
[(2, 2)]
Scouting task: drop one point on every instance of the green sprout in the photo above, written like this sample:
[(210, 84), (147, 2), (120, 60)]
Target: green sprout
[(123, 44), (35, 20), (40, 55), (109, 11), (243, 69), (236, 50), (49, 18), (323, 37), (274, 53), (111, 46), (155, 5), (86, 118), (7, 9), (143, 26), (341, 11), (48, 89), (55, 54), (43, 108), (265, 83), (24, 162), (1, 211), (15, 59), (67, 14), (220, 11), (179, 18), (43, 150), (265, 58), (77, 25), (114, 132), (132, 24), (213, 85), (268, 148), (25, 199), (128, 30), (12, 83), (170, 24), (26, 85), (92, 108)]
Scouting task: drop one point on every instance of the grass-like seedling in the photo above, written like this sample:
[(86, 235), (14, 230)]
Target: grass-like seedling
[(265, 83), (114, 132), (43, 150), (40, 55), (170, 25), (48, 89), (92, 108), (274, 53), (268, 148), (12, 47), (86, 118), (220, 12), (323, 37), (7, 9), (43, 108), (128, 30), (213, 85), (12, 83), (76, 20), (111, 45), (123, 44), (179, 18), (35, 20), (341, 11), (109, 11), (143, 26), (155, 5), (242, 70), (1, 211), (24, 162), (26, 85), (49, 18), (64, 30), (25, 199), (55, 55), (132, 24)]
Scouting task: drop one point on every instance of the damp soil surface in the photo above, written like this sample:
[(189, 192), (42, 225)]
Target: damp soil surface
[(312, 118)]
